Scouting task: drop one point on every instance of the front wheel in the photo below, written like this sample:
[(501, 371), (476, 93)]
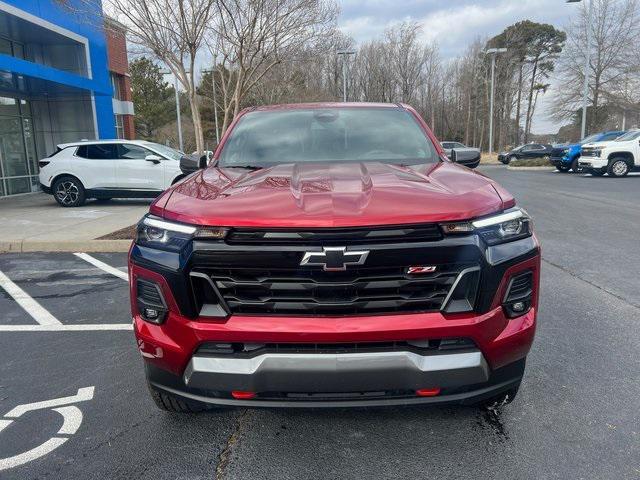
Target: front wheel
[(575, 166), (562, 168), (618, 167), (69, 192)]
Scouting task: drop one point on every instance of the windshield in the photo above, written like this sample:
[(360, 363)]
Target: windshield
[(385, 135), (629, 136), (591, 138), (168, 152)]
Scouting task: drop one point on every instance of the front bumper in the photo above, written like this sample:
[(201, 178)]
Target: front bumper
[(593, 162), (175, 365), (475, 383), (343, 372)]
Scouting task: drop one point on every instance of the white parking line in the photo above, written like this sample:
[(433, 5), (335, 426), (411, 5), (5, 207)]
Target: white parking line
[(103, 266), (33, 308), (99, 327)]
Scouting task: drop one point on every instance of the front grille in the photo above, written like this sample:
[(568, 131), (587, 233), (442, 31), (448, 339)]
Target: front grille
[(335, 236), (558, 152), (315, 292)]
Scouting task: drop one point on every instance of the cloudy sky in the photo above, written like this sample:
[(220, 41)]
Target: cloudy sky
[(454, 24)]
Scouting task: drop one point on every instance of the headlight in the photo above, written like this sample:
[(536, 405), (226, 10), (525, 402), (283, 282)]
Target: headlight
[(565, 151), (157, 233), (513, 224)]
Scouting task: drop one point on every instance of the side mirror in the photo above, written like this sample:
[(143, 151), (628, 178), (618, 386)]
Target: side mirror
[(153, 159), (469, 157), (191, 163)]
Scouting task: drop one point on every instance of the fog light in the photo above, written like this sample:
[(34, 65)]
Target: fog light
[(518, 307), (151, 314)]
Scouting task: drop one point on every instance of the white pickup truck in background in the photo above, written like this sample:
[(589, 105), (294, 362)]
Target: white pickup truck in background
[(616, 157)]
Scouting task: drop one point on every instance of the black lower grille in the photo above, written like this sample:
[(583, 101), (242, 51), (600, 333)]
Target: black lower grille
[(315, 292), (417, 346)]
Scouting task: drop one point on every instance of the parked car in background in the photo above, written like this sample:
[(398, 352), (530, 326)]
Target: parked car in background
[(108, 169), (467, 156), (567, 157), (617, 157), (530, 150)]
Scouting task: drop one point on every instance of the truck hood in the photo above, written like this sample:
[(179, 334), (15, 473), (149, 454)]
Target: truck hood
[(597, 144), (331, 195)]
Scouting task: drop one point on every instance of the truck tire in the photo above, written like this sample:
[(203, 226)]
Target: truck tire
[(562, 168), (575, 165), (172, 404), (618, 167)]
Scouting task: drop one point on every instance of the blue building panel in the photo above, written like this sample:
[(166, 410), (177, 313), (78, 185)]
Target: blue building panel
[(55, 84)]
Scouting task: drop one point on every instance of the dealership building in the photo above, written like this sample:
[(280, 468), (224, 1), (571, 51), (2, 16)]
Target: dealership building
[(63, 78)]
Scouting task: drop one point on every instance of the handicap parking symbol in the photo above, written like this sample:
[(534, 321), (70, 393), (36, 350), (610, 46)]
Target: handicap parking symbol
[(72, 418)]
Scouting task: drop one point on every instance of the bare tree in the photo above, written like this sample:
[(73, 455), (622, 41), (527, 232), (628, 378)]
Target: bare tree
[(253, 36), (615, 31), (174, 31)]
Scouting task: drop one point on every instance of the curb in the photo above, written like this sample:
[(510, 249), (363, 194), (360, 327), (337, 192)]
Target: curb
[(535, 169), (87, 246)]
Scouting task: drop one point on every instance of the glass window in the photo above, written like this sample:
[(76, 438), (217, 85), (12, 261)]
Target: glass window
[(119, 127), (5, 47), (386, 135), (18, 50), (133, 152), (102, 151), (165, 151), (610, 136), (9, 106), (12, 153), (629, 136), (18, 185), (116, 84)]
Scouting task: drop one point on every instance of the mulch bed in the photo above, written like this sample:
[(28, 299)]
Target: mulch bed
[(127, 233)]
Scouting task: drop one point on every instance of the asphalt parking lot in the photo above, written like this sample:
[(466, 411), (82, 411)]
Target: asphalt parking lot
[(577, 415)]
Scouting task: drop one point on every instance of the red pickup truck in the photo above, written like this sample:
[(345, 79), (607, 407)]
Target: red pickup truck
[(333, 255)]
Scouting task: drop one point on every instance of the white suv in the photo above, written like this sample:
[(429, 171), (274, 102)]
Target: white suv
[(616, 157), (108, 169)]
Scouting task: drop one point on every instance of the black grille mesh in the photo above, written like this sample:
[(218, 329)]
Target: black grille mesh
[(315, 292)]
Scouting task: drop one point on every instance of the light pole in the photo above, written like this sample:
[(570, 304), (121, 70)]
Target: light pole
[(175, 86), (494, 53), (585, 92), (344, 71), (215, 101)]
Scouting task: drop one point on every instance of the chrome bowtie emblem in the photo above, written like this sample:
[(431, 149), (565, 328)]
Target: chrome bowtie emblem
[(334, 259)]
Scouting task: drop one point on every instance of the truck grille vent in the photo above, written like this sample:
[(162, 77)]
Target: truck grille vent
[(314, 292)]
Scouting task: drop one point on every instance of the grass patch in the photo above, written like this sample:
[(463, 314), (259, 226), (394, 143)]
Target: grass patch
[(530, 162), (487, 159)]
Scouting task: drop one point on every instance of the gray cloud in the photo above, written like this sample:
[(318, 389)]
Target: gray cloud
[(454, 24)]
